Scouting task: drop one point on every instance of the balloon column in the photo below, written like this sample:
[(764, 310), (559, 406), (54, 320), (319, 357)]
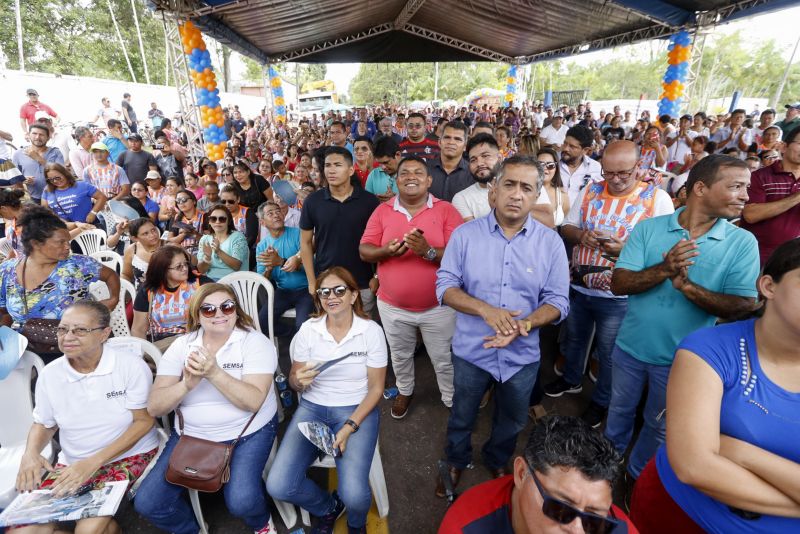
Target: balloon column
[(511, 85), (277, 95), (206, 94), (680, 51)]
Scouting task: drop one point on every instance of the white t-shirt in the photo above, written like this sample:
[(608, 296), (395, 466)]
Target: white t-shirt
[(206, 412), (678, 150), (345, 382), (474, 201), (723, 134), (93, 410), (551, 136), (589, 171)]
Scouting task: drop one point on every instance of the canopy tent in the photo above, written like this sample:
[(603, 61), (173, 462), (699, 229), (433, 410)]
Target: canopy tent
[(511, 31)]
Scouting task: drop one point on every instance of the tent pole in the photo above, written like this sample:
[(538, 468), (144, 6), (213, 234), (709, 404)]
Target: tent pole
[(121, 42), (777, 96), (20, 49), (435, 80), (141, 45)]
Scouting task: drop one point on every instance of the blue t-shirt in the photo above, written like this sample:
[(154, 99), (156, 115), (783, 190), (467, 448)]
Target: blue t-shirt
[(378, 182), (287, 245), (71, 204), (150, 206), (115, 147), (753, 409), (658, 319)]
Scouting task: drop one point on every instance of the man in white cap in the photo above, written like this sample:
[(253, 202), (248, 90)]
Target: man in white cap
[(106, 176), (553, 135)]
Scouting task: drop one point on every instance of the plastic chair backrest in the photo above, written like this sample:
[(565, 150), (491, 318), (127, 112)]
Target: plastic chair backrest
[(91, 241), (119, 319), (109, 258), (5, 248), (147, 349), (16, 398), (246, 285)]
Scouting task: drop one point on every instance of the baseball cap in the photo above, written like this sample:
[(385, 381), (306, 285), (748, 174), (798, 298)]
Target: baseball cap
[(687, 117), (98, 146), (796, 105), (42, 115), (558, 114), (152, 175), (32, 92), (135, 137)]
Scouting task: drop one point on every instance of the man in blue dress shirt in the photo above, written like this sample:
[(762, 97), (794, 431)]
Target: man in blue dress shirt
[(506, 276)]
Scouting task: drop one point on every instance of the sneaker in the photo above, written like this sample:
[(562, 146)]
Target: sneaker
[(558, 367), (594, 369), (400, 405), (559, 387), (326, 523), (594, 415), (266, 529)]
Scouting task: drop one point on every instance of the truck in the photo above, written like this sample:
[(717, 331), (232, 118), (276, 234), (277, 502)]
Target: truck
[(315, 96)]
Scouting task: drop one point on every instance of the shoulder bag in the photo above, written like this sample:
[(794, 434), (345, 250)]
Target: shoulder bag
[(201, 464), (41, 333)]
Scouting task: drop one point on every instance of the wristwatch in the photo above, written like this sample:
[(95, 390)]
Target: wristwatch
[(431, 254), (353, 424)]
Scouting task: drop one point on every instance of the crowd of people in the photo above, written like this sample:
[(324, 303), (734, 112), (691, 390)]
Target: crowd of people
[(665, 252)]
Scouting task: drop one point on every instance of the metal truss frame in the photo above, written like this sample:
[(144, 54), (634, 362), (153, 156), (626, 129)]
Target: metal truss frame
[(294, 55), (408, 11), (185, 88), (457, 43)]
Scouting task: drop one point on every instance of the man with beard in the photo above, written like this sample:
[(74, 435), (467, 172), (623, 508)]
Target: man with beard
[(577, 169), (31, 160), (473, 202)]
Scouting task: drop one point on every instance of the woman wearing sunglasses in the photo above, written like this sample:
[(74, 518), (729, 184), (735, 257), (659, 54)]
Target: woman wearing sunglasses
[(162, 301), (227, 175), (553, 184), (218, 376), (224, 250), (731, 462), (244, 218), (71, 200), (95, 396), (339, 367), (187, 225)]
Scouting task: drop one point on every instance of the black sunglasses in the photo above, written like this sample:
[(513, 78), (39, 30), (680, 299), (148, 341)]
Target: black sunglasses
[(215, 219), (209, 310), (229, 201), (549, 166), (564, 513), (325, 292)]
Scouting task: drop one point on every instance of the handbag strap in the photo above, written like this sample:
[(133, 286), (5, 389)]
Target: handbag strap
[(233, 443), (22, 286)]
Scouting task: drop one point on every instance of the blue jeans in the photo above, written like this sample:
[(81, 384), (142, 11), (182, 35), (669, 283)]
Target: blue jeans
[(508, 419), (288, 480), (606, 314), (299, 299), (629, 378), (165, 505)]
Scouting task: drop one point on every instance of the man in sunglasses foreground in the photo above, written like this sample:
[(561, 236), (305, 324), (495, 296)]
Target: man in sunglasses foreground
[(562, 483)]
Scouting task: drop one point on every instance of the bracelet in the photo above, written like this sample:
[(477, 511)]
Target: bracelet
[(353, 425)]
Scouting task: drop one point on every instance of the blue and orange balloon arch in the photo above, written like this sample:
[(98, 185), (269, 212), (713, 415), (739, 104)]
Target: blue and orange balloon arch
[(206, 92), (674, 81), (278, 99), (511, 85)]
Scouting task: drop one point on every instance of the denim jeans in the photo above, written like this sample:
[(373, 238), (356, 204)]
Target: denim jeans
[(288, 480), (629, 378), (508, 419), (299, 299), (165, 505), (606, 314)]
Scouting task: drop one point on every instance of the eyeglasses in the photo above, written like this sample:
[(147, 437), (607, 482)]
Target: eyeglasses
[(215, 219), (549, 166), (181, 267), (182, 200), (564, 513), (210, 310), (77, 331), (325, 292), (619, 174), (229, 201), (414, 125), (227, 174)]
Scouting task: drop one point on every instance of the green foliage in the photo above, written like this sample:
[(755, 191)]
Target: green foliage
[(77, 37), (253, 72)]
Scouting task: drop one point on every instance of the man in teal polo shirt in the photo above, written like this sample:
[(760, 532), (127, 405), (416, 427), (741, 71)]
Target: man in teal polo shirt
[(681, 272), (382, 181)]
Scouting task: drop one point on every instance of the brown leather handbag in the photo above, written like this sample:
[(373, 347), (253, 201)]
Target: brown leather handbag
[(201, 464)]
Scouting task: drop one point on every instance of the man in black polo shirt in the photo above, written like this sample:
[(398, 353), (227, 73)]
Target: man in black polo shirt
[(449, 170), (332, 223), (135, 161)]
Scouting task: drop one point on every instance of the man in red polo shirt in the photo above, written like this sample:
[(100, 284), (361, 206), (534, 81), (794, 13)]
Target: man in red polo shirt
[(406, 237), (772, 213), (562, 483), (27, 113)]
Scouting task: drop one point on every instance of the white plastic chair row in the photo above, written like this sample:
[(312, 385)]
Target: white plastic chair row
[(16, 419), (91, 241), (119, 319), (109, 259)]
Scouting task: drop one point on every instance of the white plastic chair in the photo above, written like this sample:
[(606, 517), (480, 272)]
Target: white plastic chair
[(377, 478), (16, 419), (5, 248), (109, 258), (91, 241), (119, 319)]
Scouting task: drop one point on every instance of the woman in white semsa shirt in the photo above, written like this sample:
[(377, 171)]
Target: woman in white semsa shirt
[(339, 366), (95, 396), (218, 375)]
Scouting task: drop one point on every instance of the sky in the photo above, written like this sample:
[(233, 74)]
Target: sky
[(780, 25)]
